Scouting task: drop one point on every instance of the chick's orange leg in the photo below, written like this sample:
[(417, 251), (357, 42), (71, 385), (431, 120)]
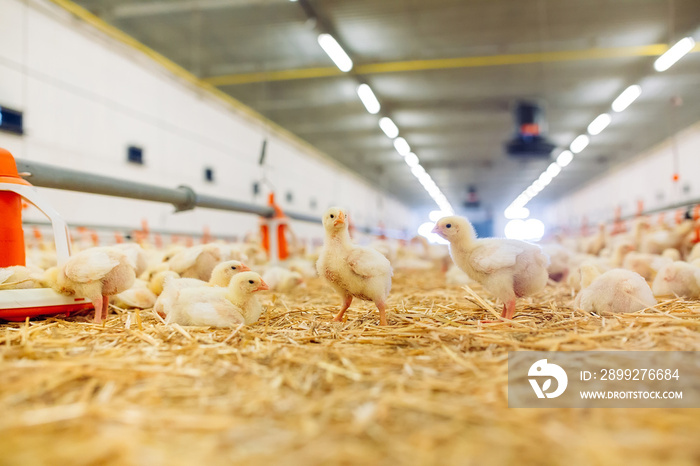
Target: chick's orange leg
[(382, 312), (97, 304), (347, 300), (105, 307), (508, 309)]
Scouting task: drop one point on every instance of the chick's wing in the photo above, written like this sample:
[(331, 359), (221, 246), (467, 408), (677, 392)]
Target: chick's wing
[(367, 262), (491, 257), (87, 268), (5, 274), (185, 259)]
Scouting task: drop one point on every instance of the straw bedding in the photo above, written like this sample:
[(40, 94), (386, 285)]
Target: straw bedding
[(296, 388)]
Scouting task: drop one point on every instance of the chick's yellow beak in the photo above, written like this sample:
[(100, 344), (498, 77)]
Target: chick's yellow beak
[(436, 229), (244, 268), (263, 286), (340, 219)]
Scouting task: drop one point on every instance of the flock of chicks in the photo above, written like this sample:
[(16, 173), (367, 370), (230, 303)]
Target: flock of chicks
[(626, 272), (212, 285)]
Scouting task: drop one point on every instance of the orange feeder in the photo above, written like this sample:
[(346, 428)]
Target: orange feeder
[(274, 233), (17, 305)]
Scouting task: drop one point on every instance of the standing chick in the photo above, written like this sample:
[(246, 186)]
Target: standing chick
[(220, 307), (95, 274), (615, 291), (353, 271), (506, 268)]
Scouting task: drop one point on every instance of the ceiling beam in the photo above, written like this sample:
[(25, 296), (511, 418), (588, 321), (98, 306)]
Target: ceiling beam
[(158, 8), (444, 63)]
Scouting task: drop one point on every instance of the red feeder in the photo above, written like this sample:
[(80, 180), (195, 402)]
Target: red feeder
[(17, 305)]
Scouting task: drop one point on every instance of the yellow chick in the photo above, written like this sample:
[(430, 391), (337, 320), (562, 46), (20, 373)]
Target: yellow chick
[(615, 291), (678, 279), (645, 264), (19, 277), (95, 274), (171, 284), (353, 271), (136, 254), (138, 296), (219, 307), (506, 268)]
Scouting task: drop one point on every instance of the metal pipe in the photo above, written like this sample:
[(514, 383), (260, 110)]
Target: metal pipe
[(131, 230), (679, 205), (218, 203), (49, 176), (182, 197)]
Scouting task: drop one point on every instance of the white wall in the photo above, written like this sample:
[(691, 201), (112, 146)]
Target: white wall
[(648, 177), (86, 97)]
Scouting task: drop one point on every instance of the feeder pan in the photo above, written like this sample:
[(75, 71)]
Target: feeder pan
[(17, 305)]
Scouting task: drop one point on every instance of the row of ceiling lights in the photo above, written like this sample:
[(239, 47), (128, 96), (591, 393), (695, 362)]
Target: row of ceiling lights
[(371, 103), (517, 208)]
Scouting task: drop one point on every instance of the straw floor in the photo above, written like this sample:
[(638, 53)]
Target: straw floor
[(296, 388)]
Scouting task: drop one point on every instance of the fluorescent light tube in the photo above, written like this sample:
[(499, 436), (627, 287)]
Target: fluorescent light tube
[(389, 127), (411, 160), (674, 54), (599, 124), (335, 52), (402, 146), (565, 158), (554, 169), (368, 98), (578, 144), (628, 96)]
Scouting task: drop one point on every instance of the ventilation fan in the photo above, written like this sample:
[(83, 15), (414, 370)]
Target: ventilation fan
[(529, 140)]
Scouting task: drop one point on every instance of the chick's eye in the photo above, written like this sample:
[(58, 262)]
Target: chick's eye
[(233, 268), (332, 216), (449, 225), (251, 281)]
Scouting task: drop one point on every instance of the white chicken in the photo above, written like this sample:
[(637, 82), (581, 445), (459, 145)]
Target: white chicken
[(694, 253), (19, 277), (615, 291), (645, 264), (199, 261), (574, 278), (677, 279), (281, 279), (95, 274), (672, 253), (595, 244), (353, 271), (218, 306), (657, 241), (559, 258), (506, 268), (138, 296), (136, 255), (171, 284), (619, 252), (156, 281)]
